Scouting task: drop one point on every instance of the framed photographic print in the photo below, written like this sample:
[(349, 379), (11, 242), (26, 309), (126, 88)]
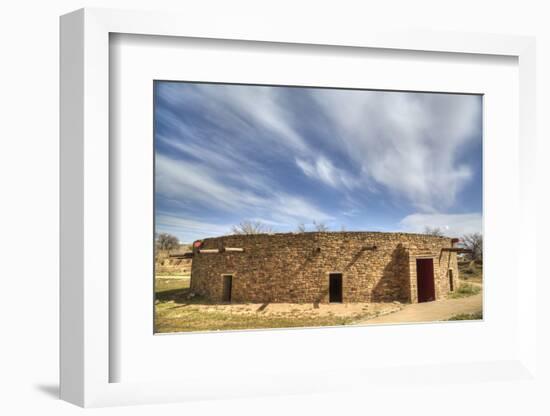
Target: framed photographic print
[(288, 206), (249, 213)]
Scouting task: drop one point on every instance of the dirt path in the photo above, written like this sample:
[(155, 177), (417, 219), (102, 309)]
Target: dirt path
[(431, 311)]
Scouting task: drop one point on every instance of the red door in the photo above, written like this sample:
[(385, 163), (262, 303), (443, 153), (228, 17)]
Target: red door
[(425, 280)]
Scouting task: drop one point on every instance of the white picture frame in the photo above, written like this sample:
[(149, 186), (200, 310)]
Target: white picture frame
[(85, 206)]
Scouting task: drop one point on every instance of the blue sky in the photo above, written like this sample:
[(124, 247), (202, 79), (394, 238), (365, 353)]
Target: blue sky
[(353, 159)]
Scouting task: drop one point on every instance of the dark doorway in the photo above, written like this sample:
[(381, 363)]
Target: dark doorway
[(425, 280), (227, 286), (335, 287), (451, 284)]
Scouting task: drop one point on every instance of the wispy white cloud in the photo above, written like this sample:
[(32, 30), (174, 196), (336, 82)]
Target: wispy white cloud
[(190, 230), (409, 143), (254, 196), (292, 209), (323, 170), (243, 152), (452, 225), (242, 108), (262, 106)]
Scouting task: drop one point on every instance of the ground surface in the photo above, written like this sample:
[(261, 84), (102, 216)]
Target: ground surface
[(441, 310), (175, 312)]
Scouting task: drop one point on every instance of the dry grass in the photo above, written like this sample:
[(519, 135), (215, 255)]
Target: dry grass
[(175, 312), (465, 290), (172, 275), (471, 272), (467, 317), (163, 285)]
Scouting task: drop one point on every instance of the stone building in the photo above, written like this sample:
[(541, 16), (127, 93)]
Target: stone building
[(325, 267)]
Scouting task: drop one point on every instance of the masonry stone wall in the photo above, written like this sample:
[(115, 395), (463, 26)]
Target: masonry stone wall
[(295, 267)]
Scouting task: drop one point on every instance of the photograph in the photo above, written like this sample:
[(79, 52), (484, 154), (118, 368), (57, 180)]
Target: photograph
[(301, 207)]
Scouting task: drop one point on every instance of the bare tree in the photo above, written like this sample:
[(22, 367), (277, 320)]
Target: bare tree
[(251, 227), (435, 231), (167, 242), (474, 242), (320, 226), (301, 228)]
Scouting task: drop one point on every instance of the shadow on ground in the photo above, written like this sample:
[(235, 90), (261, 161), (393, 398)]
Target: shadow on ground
[(51, 390), (181, 297)]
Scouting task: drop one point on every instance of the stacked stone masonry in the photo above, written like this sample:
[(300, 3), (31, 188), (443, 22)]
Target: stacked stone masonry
[(295, 267)]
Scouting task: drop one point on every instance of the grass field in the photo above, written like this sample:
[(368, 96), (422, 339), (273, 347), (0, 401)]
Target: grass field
[(175, 312)]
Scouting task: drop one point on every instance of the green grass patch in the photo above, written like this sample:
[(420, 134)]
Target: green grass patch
[(467, 317), (465, 290)]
